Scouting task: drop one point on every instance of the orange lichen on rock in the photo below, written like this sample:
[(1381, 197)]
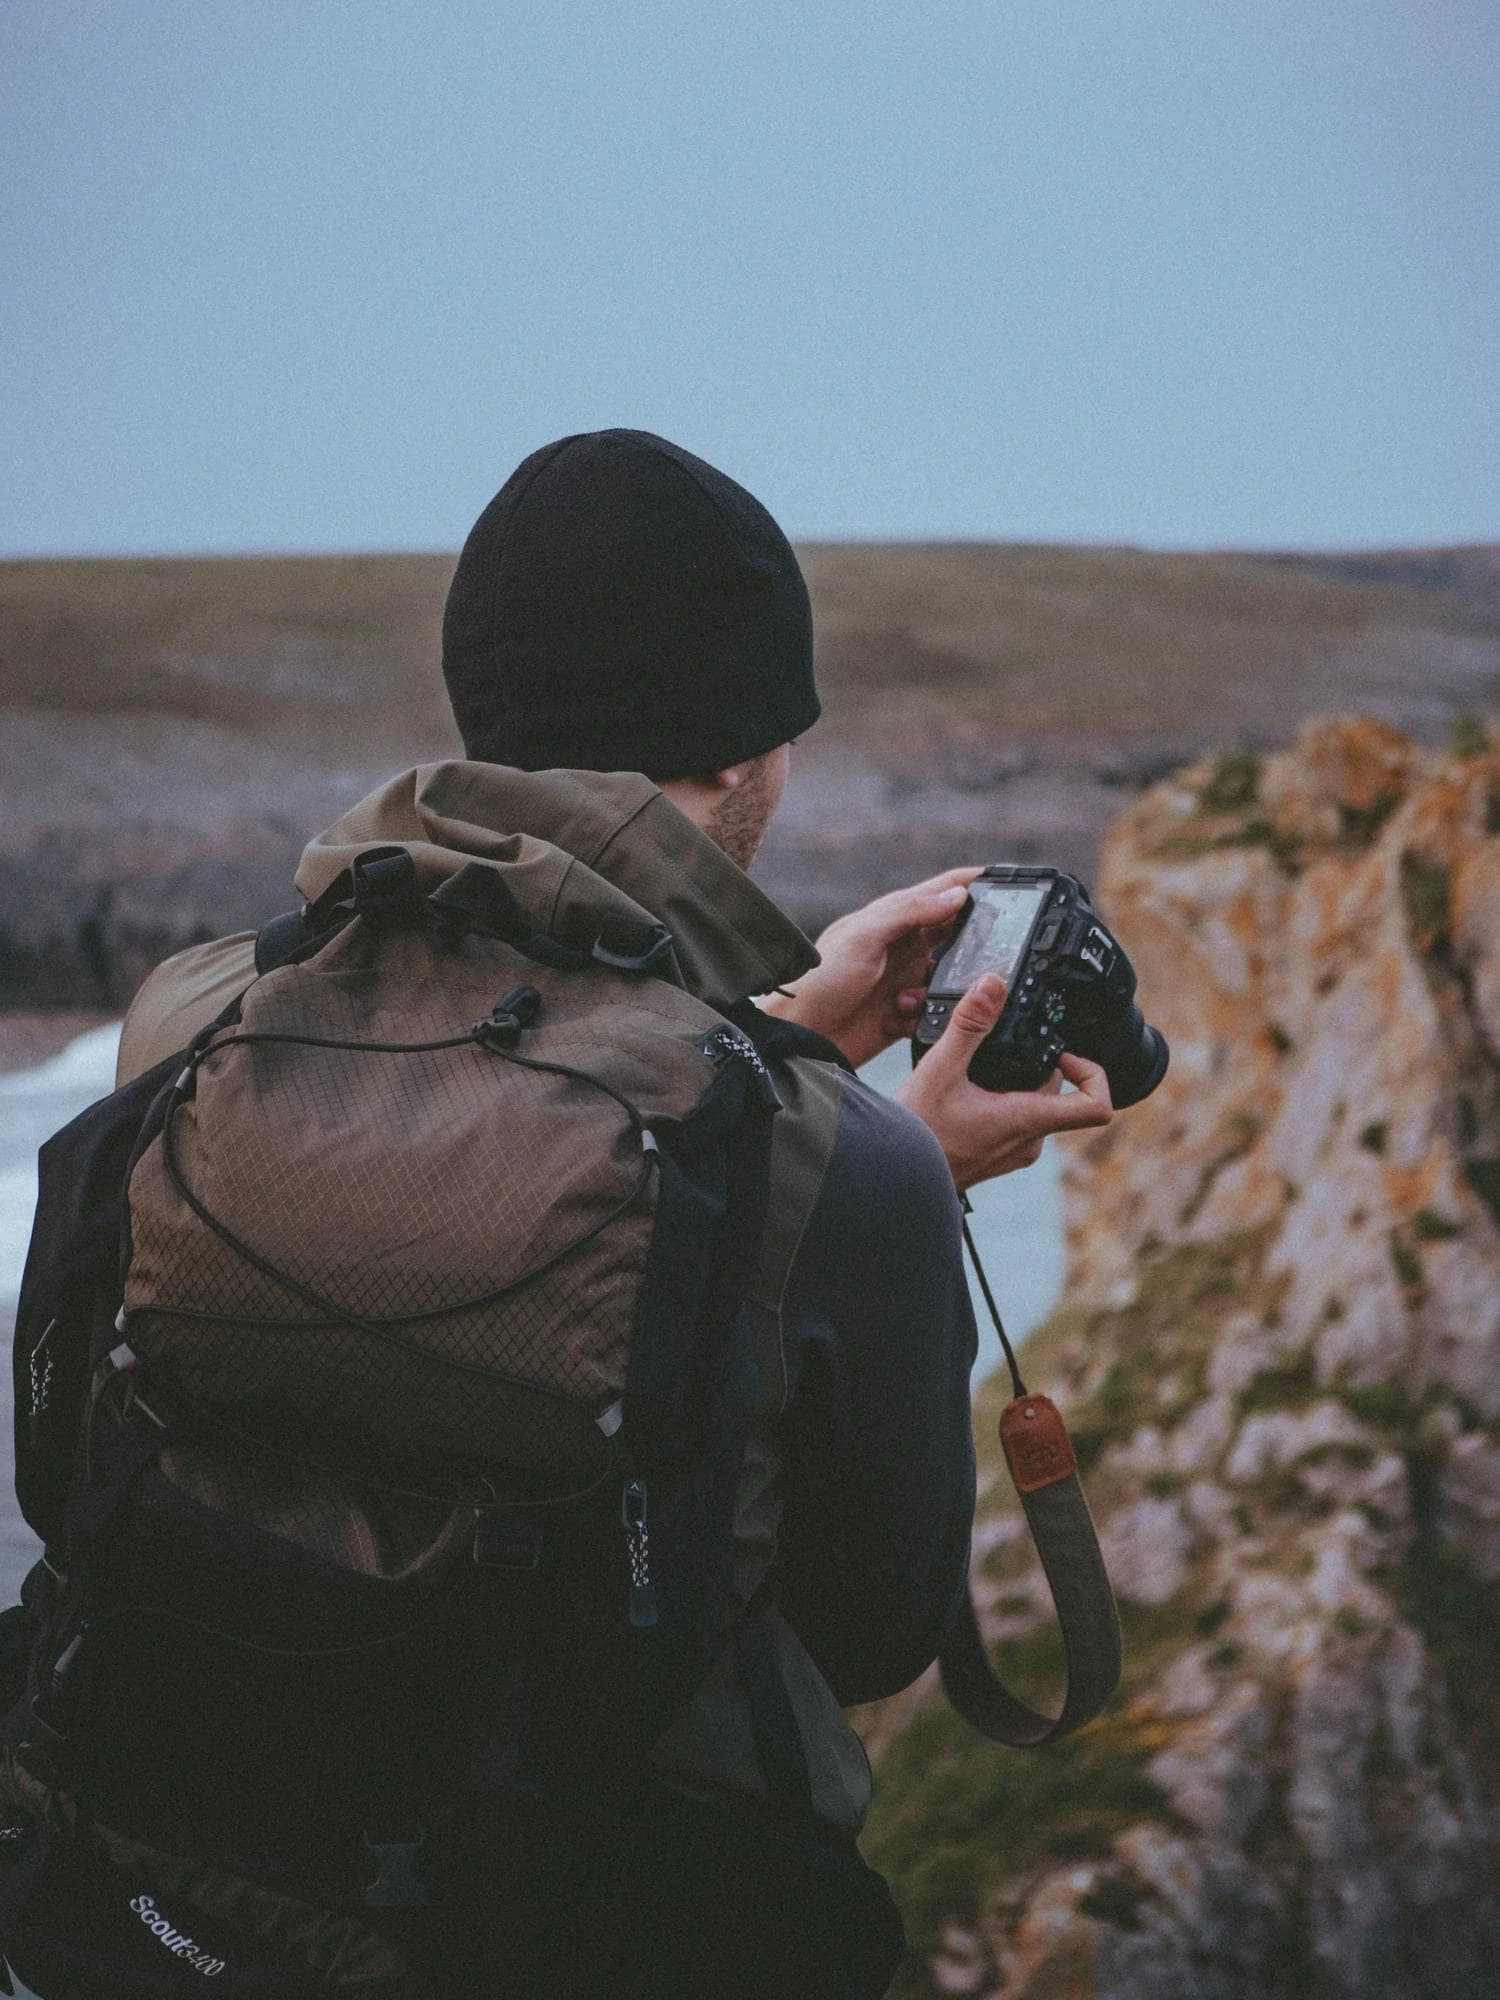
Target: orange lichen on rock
[(1279, 1359)]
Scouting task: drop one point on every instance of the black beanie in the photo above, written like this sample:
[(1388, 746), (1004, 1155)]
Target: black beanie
[(621, 606)]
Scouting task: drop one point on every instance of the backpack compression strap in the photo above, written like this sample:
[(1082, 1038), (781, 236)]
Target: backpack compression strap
[(382, 884)]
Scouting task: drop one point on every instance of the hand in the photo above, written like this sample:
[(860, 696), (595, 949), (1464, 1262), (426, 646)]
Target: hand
[(869, 989), (989, 1132)]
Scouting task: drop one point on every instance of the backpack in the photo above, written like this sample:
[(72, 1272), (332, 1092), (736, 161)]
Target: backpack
[(384, 1388)]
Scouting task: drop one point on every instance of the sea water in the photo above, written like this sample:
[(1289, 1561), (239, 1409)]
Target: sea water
[(1017, 1227), (33, 1104), (1017, 1224)]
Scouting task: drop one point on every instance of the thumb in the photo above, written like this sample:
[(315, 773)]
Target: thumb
[(969, 1023)]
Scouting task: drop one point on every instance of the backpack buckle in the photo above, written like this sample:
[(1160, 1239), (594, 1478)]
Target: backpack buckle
[(384, 886), (625, 944)]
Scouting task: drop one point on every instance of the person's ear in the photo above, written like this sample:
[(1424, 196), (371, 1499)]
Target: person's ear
[(730, 780)]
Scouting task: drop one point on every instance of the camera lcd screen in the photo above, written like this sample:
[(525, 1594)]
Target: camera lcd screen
[(994, 937)]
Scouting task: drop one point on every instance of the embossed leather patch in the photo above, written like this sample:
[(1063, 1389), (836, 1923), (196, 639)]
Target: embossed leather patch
[(1037, 1447)]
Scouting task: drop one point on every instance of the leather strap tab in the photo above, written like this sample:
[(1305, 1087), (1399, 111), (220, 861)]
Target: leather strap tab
[(1037, 1447)]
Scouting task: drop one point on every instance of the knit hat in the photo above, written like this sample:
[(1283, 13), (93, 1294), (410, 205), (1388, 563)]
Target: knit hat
[(622, 606)]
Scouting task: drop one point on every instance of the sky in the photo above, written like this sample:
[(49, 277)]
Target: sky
[(305, 275)]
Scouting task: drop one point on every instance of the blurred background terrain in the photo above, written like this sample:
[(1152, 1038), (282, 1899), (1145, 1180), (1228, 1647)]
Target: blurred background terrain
[(171, 731)]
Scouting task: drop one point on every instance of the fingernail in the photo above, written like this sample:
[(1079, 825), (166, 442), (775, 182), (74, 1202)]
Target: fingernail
[(954, 896)]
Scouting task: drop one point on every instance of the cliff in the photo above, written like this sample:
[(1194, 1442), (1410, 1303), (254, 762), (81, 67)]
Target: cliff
[(1279, 1353)]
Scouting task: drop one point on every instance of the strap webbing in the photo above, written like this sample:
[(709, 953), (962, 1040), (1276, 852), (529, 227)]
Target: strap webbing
[(1045, 1475), (507, 1560), (773, 1722), (1061, 1527)]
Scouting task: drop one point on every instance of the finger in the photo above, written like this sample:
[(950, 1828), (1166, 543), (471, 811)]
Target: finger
[(951, 878), (969, 1023), (1086, 1076), (927, 905), (1087, 1105)]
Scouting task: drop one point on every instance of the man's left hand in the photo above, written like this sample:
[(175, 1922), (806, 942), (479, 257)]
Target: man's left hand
[(869, 989)]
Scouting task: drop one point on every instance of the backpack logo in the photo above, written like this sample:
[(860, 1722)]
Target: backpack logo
[(176, 1941)]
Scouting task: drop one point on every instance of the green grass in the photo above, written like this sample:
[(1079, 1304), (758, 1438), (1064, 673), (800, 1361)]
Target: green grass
[(1425, 892), (1234, 784), (955, 1813), (314, 649)]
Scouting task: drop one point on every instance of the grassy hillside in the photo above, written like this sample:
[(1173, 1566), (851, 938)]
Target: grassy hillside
[(172, 731), (943, 637), (273, 646), (1041, 640)]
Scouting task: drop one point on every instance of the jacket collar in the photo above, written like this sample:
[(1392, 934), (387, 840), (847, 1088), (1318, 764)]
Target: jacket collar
[(574, 847)]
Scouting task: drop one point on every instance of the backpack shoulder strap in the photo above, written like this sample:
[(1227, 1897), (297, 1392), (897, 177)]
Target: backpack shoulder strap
[(71, 1286), (777, 1040)]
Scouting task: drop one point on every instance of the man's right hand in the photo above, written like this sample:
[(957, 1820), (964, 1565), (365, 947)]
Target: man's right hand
[(989, 1132)]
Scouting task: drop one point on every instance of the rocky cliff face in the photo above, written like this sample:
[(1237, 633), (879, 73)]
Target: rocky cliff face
[(1280, 1357)]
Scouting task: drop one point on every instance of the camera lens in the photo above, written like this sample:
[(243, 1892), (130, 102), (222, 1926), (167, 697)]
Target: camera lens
[(1132, 1054)]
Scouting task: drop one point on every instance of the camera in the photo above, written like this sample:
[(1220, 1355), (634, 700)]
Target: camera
[(1070, 987)]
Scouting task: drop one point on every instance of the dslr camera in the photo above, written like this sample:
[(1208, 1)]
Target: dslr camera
[(1070, 987)]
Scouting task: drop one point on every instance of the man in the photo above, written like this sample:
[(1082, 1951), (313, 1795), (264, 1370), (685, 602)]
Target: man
[(628, 649)]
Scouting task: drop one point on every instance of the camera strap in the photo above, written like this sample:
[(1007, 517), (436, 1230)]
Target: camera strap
[(1045, 1474)]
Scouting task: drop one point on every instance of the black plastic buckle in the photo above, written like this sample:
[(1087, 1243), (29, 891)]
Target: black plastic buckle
[(383, 884), (627, 945)]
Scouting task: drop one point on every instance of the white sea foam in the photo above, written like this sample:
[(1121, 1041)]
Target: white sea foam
[(33, 1104)]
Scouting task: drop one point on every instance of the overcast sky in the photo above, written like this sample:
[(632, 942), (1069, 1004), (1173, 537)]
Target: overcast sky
[(314, 275)]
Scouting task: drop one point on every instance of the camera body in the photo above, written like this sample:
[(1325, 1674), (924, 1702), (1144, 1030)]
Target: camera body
[(1071, 986)]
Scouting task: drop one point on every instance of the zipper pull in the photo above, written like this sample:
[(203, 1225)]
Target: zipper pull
[(727, 1044), (638, 1548), (42, 1358)]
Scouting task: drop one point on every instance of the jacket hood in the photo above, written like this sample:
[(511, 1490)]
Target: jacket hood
[(574, 847)]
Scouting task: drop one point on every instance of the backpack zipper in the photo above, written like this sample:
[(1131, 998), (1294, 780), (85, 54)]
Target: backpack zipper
[(638, 1548)]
